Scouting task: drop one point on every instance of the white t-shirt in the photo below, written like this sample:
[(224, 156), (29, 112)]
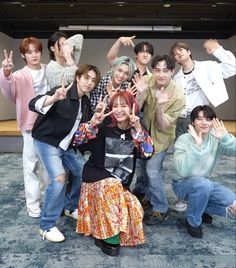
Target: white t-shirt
[(39, 80), (193, 94)]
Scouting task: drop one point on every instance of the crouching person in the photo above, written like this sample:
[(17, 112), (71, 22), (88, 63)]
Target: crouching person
[(60, 112), (107, 210), (195, 155)]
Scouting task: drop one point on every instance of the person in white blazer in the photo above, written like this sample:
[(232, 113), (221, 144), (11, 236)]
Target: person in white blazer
[(202, 81)]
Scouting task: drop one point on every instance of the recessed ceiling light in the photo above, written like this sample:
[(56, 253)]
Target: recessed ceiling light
[(167, 5)]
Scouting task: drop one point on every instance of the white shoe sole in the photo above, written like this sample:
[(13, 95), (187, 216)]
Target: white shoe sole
[(179, 209), (34, 214)]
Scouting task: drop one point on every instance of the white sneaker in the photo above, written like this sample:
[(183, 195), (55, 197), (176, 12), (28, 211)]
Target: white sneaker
[(34, 213), (73, 214), (53, 235), (180, 206)]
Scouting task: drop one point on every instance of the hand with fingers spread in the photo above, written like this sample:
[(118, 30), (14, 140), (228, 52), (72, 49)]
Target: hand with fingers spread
[(140, 83), (197, 136), (7, 63), (219, 128), (135, 120), (132, 89), (163, 97)]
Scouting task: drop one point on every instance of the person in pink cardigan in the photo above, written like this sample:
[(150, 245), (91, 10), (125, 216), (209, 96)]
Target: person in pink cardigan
[(20, 87)]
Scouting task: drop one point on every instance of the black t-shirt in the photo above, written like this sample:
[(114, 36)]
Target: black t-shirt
[(97, 167)]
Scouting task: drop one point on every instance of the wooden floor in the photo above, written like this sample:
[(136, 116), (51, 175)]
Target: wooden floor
[(9, 128)]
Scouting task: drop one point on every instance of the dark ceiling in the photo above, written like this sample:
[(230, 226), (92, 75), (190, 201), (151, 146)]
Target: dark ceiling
[(197, 19)]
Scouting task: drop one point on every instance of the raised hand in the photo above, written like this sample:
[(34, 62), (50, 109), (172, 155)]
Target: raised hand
[(132, 89), (134, 120), (102, 104), (219, 128), (60, 93), (197, 136), (111, 90), (100, 114), (127, 40), (7, 63), (211, 45), (140, 83), (163, 97)]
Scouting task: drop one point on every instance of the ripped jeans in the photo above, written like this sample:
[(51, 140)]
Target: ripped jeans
[(57, 161), (203, 196)]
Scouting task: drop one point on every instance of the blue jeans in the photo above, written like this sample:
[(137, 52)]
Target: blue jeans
[(150, 180), (57, 161), (203, 196)]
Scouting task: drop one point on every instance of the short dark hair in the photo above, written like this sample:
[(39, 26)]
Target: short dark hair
[(144, 46), (170, 62), (52, 40), (208, 112)]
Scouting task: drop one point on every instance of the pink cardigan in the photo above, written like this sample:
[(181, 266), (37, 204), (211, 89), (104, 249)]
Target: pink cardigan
[(18, 88)]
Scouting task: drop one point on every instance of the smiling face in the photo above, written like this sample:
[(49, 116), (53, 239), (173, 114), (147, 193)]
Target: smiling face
[(121, 111), (120, 74), (202, 124)]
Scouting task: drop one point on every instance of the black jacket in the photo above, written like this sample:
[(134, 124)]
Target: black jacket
[(57, 123)]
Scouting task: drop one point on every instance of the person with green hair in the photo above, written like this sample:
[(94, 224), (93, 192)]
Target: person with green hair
[(115, 80)]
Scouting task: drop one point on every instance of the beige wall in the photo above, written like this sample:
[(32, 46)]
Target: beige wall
[(94, 52)]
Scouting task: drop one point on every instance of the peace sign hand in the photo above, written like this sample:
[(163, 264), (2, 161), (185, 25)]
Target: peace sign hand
[(7, 63), (60, 93), (100, 114), (135, 120)]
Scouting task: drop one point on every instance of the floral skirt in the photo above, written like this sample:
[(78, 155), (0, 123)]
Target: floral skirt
[(106, 209)]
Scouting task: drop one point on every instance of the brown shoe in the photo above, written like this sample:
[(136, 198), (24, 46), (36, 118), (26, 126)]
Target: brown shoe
[(156, 217)]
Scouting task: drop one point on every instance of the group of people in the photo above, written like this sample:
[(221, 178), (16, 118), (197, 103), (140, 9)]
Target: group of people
[(126, 120)]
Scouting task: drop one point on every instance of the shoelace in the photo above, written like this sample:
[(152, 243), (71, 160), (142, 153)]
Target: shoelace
[(44, 234)]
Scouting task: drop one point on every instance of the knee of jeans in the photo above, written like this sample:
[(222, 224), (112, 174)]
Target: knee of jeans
[(61, 178), (203, 185)]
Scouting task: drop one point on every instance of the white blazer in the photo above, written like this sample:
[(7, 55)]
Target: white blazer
[(210, 75)]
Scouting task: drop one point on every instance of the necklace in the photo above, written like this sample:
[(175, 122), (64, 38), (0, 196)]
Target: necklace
[(122, 135)]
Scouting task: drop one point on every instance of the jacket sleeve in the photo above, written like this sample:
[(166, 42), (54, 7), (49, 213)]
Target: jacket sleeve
[(228, 62), (227, 145), (143, 143), (76, 41), (187, 156), (32, 103), (7, 86)]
